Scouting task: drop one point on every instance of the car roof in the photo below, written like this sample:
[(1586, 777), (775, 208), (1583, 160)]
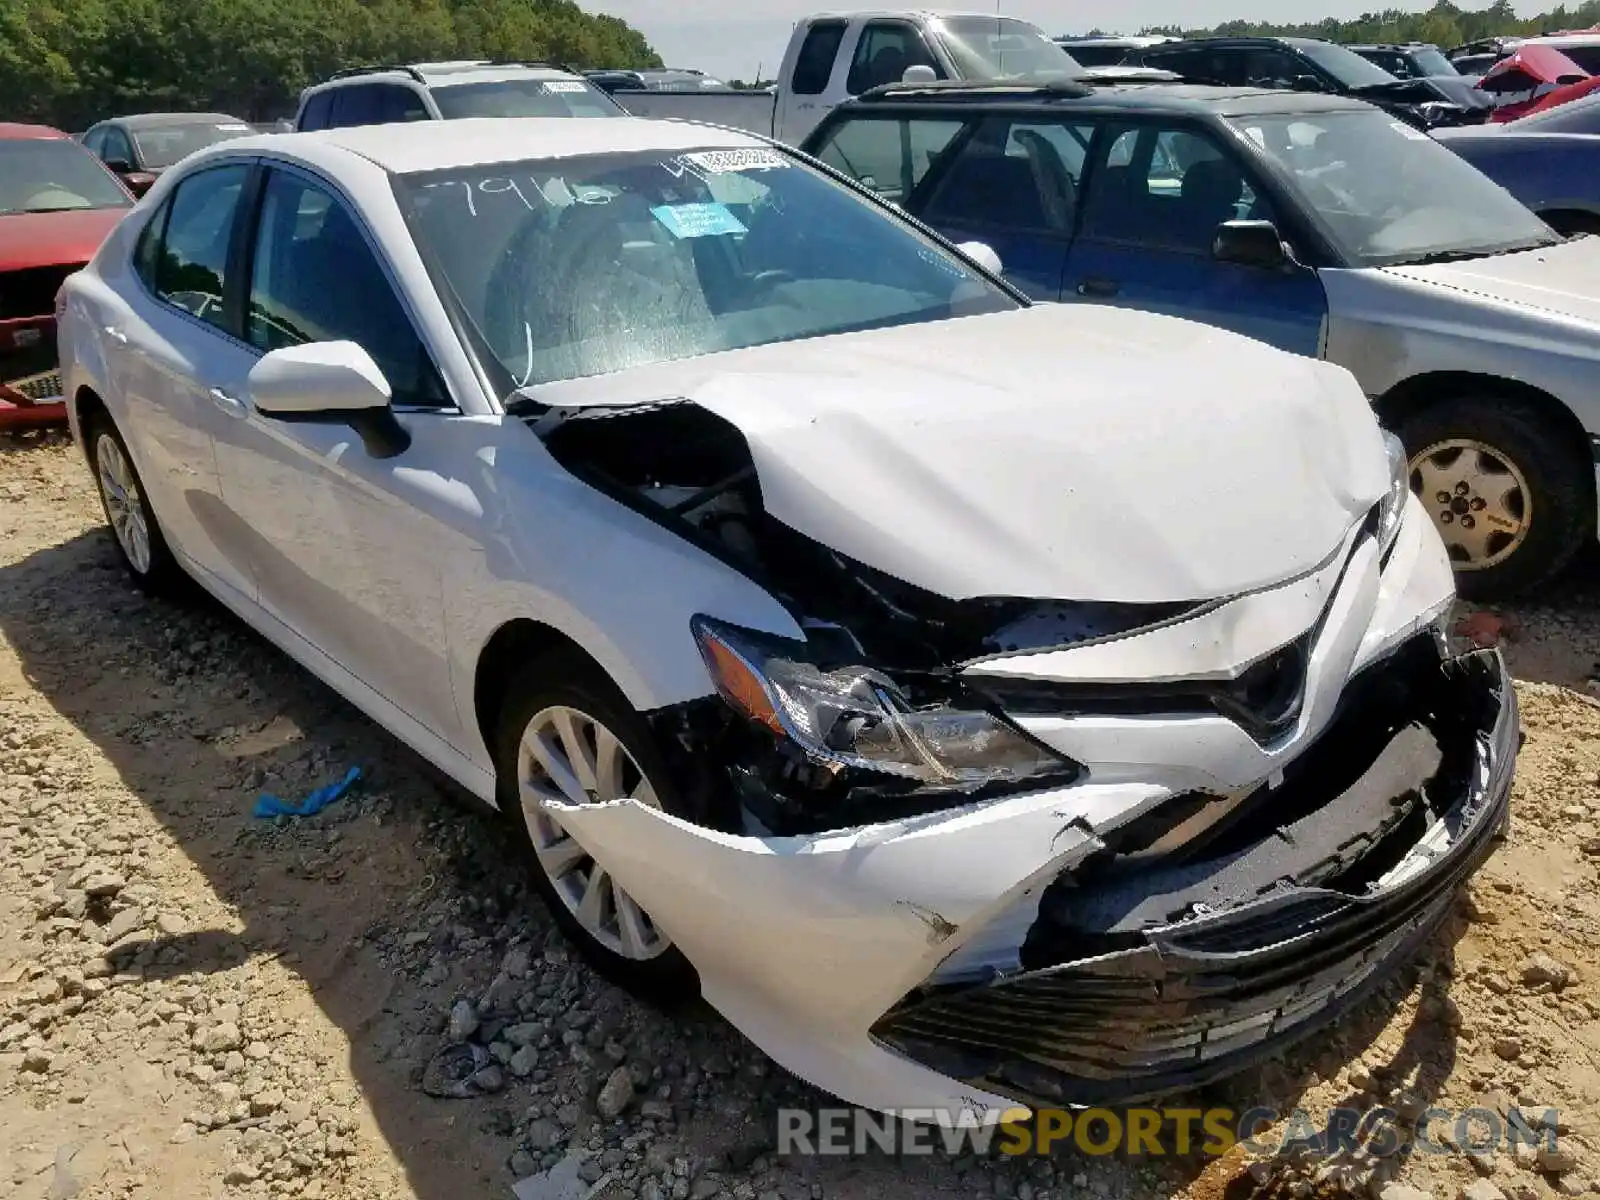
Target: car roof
[(1190, 98), (17, 131), (1391, 46), (445, 74), (929, 14), (406, 147), (157, 120)]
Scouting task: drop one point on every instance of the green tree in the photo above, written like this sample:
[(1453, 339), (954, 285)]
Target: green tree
[(72, 62)]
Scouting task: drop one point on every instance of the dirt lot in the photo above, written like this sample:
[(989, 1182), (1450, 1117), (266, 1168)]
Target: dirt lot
[(197, 1003)]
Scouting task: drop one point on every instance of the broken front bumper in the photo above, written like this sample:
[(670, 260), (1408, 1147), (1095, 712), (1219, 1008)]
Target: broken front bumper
[(30, 383), (889, 964), (1199, 998)]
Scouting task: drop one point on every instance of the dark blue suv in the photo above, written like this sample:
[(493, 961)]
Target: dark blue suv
[(1111, 194)]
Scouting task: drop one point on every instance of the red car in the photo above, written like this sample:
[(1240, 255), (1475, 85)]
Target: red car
[(57, 203)]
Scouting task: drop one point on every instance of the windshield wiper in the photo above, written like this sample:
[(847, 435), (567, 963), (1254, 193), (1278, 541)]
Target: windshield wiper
[(53, 208), (1449, 256)]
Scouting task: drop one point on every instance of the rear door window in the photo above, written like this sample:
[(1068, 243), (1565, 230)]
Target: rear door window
[(192, 271), (813, 65), (890, 156)]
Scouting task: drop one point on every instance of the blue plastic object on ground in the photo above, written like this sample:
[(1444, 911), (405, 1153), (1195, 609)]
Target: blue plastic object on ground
[(271, 806)]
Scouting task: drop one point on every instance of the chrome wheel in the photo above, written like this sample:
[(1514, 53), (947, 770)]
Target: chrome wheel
[(124, 503), (1478, 499), (569, 757)]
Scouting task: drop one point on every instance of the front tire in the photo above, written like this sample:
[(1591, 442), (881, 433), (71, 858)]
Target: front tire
[(566, 733), (134, 530), (1508, 491)]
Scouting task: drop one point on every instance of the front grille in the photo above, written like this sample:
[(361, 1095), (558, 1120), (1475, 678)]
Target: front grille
[(32, 292), (40, 389), (1264, 701)]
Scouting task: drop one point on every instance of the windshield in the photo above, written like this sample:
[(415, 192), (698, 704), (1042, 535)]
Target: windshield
[(1002, 48), (586, 266), (54, 175), (1431, 61), (1386, 193), (525, 98), (1344, 64), (161, 146)]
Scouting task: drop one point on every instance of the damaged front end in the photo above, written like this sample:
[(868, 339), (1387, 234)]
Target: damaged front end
[(1143, 975), (967, 852), (868, 718)]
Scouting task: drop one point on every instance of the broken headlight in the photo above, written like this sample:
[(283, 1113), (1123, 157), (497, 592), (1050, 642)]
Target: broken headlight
[(855, 716), (1392, 508)]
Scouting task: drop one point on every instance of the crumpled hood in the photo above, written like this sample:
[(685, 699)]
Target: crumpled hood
[(1563, 280), (1068, 452)]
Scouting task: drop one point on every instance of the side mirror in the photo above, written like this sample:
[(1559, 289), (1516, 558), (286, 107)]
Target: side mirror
[(120, 165), (332, 383), (919, 73), (983, 254), (1251, 244), (1308, 83), (139, 182)]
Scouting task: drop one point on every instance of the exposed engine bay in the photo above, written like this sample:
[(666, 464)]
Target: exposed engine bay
[(684, 466)]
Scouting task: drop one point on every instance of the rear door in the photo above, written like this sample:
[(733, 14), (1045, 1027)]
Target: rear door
[(1155, 198), (1013, 184), (178, 363)]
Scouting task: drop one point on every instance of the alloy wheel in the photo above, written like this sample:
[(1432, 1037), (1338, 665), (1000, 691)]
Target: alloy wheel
[(124, 502), (569, 757), (1478, 499)]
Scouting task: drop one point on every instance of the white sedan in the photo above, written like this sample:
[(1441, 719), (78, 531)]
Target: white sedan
[(982, 705)]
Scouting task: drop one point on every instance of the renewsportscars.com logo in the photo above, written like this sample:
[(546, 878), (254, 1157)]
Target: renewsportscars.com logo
[(1212, 1132)]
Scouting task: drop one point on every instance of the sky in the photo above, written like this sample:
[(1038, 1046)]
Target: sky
[(731, 38)]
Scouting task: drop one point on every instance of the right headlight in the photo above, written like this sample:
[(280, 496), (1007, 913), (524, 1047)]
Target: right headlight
[(855, 716), (1392, 508)]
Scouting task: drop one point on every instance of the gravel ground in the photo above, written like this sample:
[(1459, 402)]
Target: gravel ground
[(196, 1003)]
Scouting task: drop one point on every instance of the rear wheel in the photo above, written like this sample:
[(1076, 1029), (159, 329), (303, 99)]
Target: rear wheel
[(134, 530), (567, 735), (1510, 494)]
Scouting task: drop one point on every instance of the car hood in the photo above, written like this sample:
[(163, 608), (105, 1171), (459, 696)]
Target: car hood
[(1435, 88), (1562, 280), (54, 239), (1067, 452)]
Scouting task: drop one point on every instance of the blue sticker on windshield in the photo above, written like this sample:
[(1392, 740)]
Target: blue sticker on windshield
[(697, 220)]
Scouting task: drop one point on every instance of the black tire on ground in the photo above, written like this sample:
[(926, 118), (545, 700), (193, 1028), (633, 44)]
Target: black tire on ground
[(1559, 474), (568, 679), (162, 576)]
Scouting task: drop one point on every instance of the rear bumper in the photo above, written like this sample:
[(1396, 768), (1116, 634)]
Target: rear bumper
[(1178, 1005), (30, 379)]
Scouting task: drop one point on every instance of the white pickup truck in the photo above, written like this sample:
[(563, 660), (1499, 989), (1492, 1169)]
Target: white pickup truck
[(834, 56)]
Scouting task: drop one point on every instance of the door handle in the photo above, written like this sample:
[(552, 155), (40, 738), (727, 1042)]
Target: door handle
[(111, 331), (228, 402), (1099, 288)]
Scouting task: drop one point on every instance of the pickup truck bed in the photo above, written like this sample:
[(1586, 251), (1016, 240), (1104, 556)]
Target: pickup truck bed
[(753, 111)]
